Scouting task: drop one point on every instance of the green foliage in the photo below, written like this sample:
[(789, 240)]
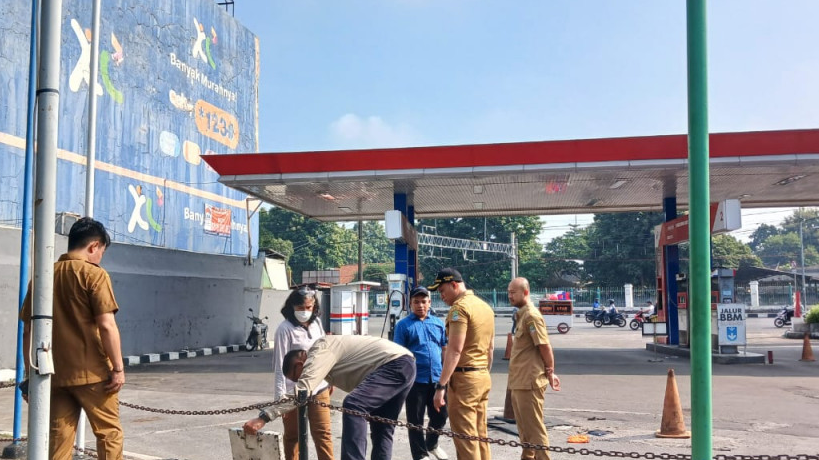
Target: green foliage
[(813, 315), (481, 270), (729, 252), (563, 259), (308, 243), (762, 233), (621, 248), (377, 273)]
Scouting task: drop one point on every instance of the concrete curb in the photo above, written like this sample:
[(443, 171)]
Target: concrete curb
[(741, 358), (183, 354)]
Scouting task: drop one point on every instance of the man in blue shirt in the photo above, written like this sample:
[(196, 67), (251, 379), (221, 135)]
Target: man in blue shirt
[(425, 336)]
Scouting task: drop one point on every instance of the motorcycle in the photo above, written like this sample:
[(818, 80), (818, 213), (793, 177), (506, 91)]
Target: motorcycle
[(640, 318), (604, 319), (591, 314), (783, 318), (257, 339)]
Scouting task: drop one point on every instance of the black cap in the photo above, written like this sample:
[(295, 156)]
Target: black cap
[(447, 275), (419, 290)]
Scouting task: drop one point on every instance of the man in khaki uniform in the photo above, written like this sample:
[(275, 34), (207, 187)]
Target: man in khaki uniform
[(470, 327), (88, 367), (531, 370)]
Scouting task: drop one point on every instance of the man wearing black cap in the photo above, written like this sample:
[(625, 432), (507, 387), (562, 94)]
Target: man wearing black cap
[(470, 327), (425, 336)]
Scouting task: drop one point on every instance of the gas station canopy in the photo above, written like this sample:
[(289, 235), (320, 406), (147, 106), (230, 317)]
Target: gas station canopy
[(762, 169)]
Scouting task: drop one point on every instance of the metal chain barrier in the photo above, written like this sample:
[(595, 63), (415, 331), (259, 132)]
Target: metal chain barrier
[(258, 406), (566, 450), (450, 434), (10, 384)]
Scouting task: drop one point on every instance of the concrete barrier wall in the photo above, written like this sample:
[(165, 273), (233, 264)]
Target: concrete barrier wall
[(169, 300)]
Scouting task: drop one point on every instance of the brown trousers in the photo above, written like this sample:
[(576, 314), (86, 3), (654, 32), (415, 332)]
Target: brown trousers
[(319, 421), (528, 408), (467, 397), (102, 410)]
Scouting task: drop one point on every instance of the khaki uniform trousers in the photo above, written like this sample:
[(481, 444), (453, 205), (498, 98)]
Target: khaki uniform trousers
[(319, 422), (528, 408), (102, 410), (467, 397)]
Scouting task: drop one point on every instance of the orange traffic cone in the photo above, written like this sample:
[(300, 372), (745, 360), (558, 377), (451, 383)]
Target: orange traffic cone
[(508, 412), (672, 424), (508, 352), (807, 351)]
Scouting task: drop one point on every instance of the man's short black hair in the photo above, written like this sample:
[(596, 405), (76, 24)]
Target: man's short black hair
[(85, 231), (289, 360)]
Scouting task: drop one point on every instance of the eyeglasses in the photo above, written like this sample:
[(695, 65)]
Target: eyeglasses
[(306, 292)]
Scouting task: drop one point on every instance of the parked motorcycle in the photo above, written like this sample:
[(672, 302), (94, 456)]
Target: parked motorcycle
[(783, 318), (640, 318), (604, 319), (257, 339)]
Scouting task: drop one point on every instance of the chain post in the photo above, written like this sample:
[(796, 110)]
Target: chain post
[(302, 400)]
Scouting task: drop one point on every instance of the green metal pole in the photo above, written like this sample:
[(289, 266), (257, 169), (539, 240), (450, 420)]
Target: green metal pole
[(699, 232)]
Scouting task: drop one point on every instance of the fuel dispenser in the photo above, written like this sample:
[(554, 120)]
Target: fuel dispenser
[(396, 299), (727, 318), (350, 308), (683, 316)]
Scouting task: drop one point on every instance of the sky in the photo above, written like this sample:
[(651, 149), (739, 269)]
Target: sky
[(398, 73)]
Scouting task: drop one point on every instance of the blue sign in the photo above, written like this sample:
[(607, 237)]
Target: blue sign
[(731, 333)]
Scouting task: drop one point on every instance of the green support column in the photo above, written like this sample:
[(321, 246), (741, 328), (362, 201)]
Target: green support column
[(699, 232)]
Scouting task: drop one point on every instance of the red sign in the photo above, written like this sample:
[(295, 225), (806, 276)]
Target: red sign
[(217, 220)]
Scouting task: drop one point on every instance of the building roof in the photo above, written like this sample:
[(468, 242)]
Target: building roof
[(762, 169)]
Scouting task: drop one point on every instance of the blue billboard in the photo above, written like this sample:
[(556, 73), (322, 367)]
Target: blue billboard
[(177, 80)]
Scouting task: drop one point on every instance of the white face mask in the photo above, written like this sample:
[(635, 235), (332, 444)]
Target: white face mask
[(303, 316)]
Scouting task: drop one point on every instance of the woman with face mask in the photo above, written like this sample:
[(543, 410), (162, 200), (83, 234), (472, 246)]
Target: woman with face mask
[(298, 332)]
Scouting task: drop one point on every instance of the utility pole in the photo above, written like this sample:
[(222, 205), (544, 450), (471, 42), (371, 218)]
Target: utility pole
[(514, 256), (45, 198), (802, 252), (360, 253)]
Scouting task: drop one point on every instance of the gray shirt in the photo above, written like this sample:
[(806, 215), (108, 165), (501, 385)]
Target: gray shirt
[(343, 361)]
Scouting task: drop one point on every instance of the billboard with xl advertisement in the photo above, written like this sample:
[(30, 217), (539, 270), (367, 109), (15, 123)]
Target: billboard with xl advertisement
[(177, 80)]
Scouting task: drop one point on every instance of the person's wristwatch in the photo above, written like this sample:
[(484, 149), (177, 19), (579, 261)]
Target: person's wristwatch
[(263, 415), (438, 386)]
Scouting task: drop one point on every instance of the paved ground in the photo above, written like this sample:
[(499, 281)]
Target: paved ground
[(610, 383)]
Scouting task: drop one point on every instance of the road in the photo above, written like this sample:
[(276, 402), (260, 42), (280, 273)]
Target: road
[(610, 383)]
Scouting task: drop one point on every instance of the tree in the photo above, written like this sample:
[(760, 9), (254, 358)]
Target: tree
[(621, 248), (784, 251), (482, 270), (562, 258), (314, 245), (376, 248), (729, 252), (377, 273), (762, 233)]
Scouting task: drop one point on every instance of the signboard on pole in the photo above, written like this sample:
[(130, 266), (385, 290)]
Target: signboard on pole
[(731, 324)]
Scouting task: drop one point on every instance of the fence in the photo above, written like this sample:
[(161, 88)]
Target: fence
[(776, 293)]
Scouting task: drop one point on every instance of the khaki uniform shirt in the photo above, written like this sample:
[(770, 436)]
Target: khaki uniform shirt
[(471, 316), (526, 368), (345, 360), (82, 291)]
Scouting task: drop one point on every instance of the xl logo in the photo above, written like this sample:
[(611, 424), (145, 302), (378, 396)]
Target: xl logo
[(82, 74), (141, 201), (201, 46)]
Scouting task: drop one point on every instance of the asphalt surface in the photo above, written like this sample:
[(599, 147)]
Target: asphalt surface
[(611, 384)]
